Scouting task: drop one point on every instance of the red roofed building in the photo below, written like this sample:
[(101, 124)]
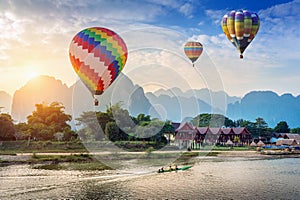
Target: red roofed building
[(185, 135), (193, 137)]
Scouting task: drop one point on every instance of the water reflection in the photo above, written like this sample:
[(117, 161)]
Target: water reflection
[(228, 179)]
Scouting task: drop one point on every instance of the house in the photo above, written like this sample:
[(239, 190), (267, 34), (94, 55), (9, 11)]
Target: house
[(292, 136), (288, 142), (185, 135), (288, 136), (193, 137)]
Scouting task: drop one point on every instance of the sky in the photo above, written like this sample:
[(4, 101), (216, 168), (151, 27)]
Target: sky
[(36, 34)]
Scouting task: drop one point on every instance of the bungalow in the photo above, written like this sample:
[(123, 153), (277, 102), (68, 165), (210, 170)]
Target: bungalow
[(288, 136), (288, 142), (189, 136), (185, 135)]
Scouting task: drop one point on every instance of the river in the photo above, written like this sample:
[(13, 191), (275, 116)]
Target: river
[(209, 178)]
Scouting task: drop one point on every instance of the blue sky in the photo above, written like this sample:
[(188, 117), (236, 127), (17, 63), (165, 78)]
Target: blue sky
[(35, 37)]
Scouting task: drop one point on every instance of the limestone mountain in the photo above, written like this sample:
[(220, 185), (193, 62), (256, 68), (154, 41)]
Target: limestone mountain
[(38, 90), (272, 107)]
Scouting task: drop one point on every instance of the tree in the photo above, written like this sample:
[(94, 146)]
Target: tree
[(47, 120), (112, 131), (295, 130), (7, 129), (120, 116), (22, 131), (242, 123), (212, 120), (282, 127), (261, 126)]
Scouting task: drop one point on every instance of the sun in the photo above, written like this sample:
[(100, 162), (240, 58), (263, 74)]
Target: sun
[(32, 74)]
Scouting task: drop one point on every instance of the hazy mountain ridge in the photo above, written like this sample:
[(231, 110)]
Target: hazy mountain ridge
[(216, 99), (268, 105), (76, 98), (38, 90), (122, 91), (177, 108), (172, 104)]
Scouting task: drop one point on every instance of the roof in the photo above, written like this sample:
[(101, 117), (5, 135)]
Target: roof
[(292, 136), (260, 144), (253, 144), (185, 127), (175, 125), (227, 131), (286, 142), (202, 130), (214, 131), (240, 130)]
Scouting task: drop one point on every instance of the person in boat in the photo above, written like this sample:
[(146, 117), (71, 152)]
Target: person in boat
[(170, 168), (176, 167), (161, 170)]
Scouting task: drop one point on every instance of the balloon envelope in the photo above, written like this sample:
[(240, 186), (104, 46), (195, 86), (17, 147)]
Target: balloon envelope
[(193, 50), (98, 56), (240, 27)]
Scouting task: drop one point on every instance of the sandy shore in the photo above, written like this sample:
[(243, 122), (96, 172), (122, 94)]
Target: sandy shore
[(220, 154)]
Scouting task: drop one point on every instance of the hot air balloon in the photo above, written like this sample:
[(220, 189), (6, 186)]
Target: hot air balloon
[(240, 27), (193, 50), (98, 56)]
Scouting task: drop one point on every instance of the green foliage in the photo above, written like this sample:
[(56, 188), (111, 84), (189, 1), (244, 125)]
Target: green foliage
[(236, 139), (22, 131), (295, 130), (259, 128), (47, 120), (22, 146), (282, 127), (118, 125), (212, 120), (7, 129), (112, 131)]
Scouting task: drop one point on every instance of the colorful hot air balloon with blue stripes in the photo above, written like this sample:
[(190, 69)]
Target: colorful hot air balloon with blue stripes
[(98, 56), (240, 27), (193, 50)]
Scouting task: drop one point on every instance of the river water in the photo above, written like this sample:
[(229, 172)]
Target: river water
[(209, 178)]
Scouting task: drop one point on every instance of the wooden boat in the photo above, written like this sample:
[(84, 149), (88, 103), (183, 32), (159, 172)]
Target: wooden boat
[(173, 170)]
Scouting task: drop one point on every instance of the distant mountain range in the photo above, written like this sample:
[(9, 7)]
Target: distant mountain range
[(268, 105), (172, 104), (38, 90)]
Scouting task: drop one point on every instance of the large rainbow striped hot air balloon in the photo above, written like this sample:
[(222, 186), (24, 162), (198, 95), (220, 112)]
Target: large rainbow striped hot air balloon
[(193, 50), (240, 27), (98, 56)]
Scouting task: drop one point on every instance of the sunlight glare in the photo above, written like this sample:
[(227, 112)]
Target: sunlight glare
[(32, 74)]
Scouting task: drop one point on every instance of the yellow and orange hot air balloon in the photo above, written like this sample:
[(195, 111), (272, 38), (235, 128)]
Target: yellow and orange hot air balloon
[(193, 50)]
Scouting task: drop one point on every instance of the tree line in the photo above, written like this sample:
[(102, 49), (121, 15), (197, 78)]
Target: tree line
[(258, 128), (50, 122)]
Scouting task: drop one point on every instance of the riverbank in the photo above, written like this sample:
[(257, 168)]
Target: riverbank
[(93, 161)]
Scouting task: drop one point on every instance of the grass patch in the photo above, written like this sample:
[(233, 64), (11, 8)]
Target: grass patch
[(62, 158), (73, 166), (226, 148), (67, 162), (13, 147)]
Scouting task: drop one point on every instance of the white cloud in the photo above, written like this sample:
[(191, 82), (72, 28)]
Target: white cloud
[(34, 29), (187, 9)]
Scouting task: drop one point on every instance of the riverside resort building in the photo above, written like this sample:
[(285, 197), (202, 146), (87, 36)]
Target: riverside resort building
[(188, 136)]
